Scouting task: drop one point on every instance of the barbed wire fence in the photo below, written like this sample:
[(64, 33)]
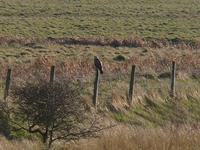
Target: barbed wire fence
[(117, 83)]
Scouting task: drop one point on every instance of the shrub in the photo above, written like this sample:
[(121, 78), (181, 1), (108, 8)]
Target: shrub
[(164, 75), (119, 58), (54, 111)]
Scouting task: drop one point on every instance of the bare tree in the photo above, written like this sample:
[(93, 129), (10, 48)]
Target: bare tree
[(55, 111)]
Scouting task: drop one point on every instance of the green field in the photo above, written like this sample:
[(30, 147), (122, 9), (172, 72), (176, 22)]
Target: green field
[(108, 18)]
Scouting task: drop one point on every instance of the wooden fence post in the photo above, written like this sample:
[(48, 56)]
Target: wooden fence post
[(7, 84), (96, 87), (131, 86), (173, 79), (52, 74)]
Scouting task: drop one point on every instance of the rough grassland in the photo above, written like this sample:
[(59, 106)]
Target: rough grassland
[(152, 105), (157, 121), (109, 18)]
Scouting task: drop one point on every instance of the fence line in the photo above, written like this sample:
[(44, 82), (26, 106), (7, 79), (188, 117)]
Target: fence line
[(132, 83)]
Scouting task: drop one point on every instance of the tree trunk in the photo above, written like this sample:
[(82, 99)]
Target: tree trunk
[(44, 138), (50, 138)]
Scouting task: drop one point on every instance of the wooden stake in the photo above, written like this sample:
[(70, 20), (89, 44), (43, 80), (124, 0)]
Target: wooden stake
[(7, 84), (96, 87), (52, 74), (173, 79), (131, 86)]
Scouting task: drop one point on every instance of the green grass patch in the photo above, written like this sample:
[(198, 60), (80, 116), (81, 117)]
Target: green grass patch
[(109, 18)]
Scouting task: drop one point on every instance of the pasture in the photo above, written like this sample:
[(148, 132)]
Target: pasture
[(109, 18)]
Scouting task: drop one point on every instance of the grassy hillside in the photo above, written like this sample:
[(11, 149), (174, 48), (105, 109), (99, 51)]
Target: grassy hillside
[(148, 33), (152, 104), (109, 18)]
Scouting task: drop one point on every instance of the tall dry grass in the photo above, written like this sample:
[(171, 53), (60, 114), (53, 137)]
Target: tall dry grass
[(123, 138), (19, 145)]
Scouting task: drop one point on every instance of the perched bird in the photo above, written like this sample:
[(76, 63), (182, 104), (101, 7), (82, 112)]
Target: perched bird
[(98, 64)]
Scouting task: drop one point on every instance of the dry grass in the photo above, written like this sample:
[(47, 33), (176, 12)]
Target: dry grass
[(19, 145), (153, 63), (124, 138), (115, 81)]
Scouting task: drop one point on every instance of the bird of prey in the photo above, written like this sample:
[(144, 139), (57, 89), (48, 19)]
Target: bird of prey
[(98, 64)]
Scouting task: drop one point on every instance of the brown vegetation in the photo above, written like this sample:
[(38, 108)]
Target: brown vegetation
[(123, 138), (184, 137), (153, 64), (19, 145), (101, 41)]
